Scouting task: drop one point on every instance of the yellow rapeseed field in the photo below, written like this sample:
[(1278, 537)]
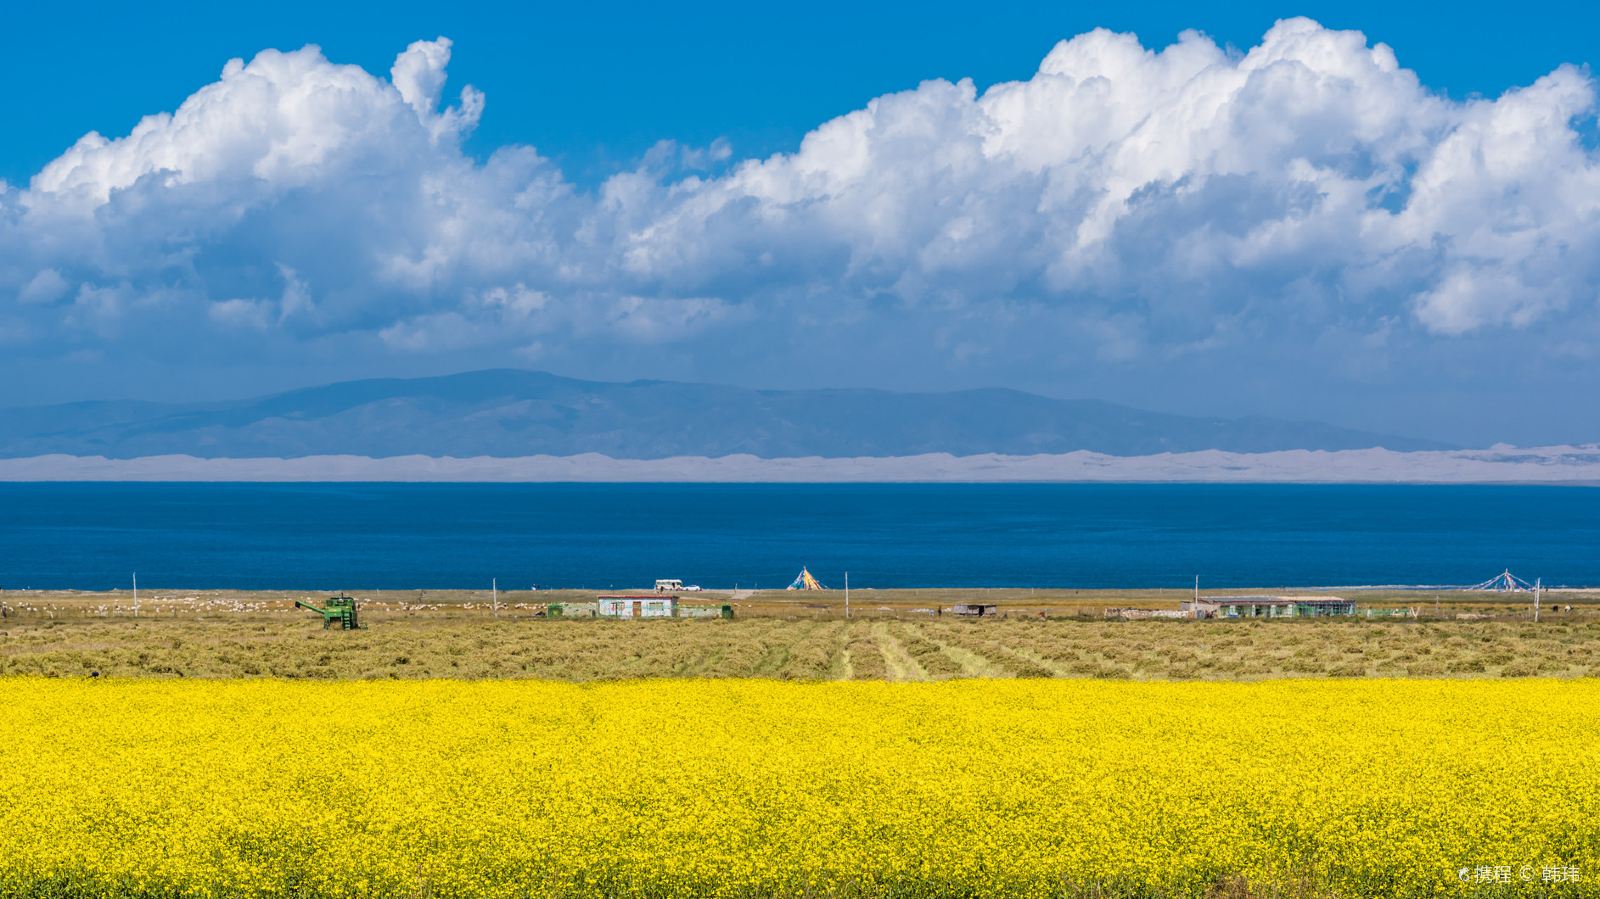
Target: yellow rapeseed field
[(753, 788)]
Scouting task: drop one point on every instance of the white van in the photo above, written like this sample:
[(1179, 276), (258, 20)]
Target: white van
[(671, 585)]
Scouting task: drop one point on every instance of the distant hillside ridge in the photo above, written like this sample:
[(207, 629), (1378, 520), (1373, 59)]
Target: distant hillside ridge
[(510, 413)]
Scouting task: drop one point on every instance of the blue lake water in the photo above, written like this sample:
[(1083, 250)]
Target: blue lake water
[(352, 536)]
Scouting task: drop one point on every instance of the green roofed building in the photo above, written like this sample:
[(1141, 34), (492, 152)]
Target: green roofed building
[(1272, 607)]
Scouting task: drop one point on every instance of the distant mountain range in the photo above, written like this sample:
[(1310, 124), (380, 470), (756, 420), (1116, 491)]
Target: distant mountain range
[(508, 413)]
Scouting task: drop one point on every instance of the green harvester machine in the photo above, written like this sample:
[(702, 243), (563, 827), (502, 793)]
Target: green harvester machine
[(339, 608)]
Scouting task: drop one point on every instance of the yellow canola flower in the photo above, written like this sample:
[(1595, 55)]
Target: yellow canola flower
[(757, 788)]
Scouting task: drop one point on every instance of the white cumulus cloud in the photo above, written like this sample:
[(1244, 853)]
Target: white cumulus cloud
[(1124, 201)]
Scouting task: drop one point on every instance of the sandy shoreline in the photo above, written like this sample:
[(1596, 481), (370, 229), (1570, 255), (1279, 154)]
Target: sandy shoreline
[(1554, 465)]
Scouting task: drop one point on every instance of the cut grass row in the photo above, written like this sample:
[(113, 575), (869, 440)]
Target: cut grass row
[(878, 649)]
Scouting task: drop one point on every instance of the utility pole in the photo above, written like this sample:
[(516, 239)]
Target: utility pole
[(1538, 588), (136, 594), (847, 594), (494, 593)]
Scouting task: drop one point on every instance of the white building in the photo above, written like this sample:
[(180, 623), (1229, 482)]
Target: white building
[(646, 606)]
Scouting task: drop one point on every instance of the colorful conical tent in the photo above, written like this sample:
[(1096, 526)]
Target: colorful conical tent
[(806, 582)]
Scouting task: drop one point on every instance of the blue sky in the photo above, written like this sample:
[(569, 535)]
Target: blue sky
[(596, 85), (1288, 261)]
